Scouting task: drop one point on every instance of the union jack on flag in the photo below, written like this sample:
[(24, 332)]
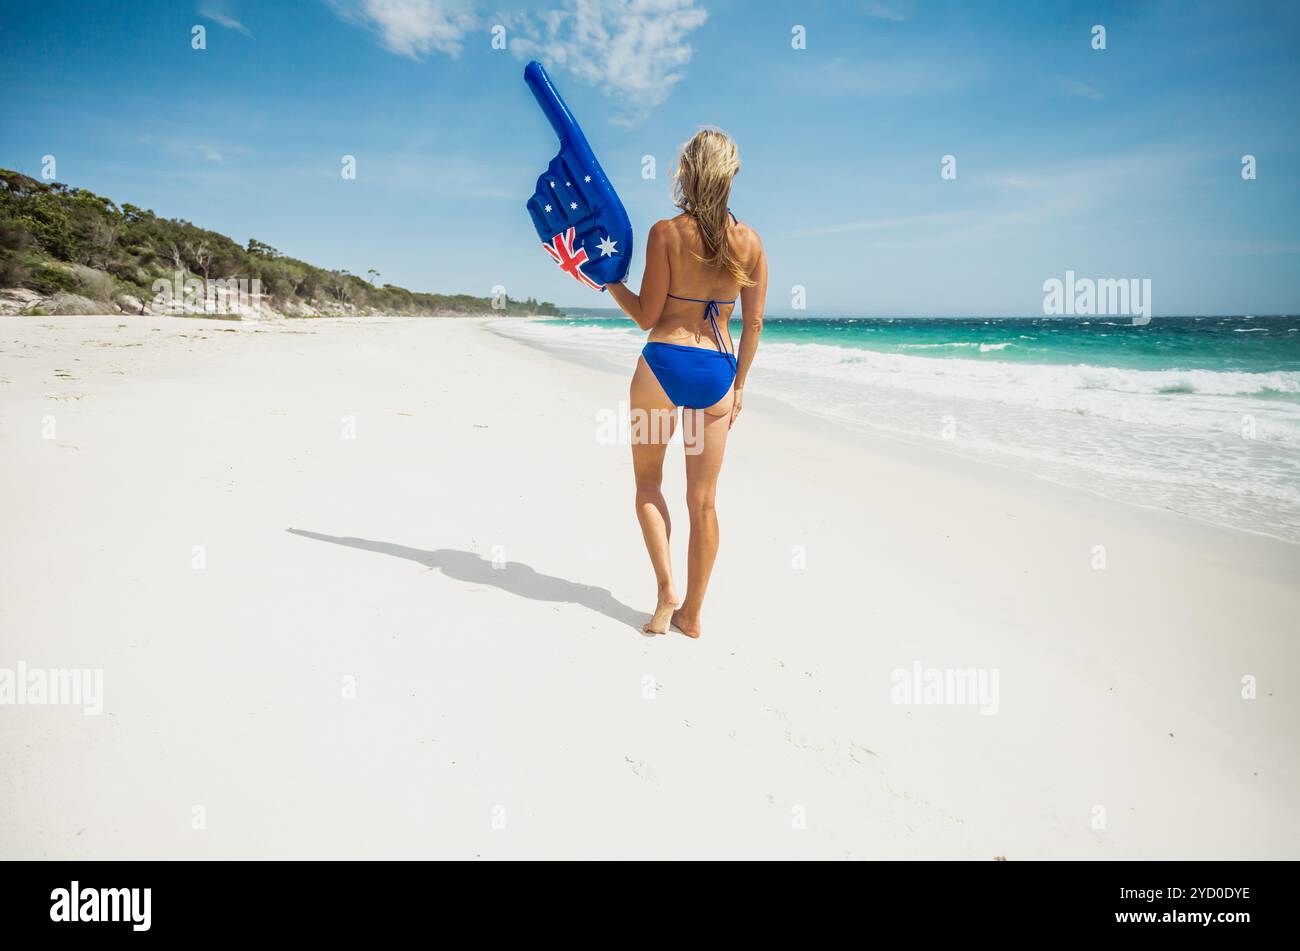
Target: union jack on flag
[(561, 249)]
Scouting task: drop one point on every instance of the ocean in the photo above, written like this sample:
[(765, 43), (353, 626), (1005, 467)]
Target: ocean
[(1197, 415)]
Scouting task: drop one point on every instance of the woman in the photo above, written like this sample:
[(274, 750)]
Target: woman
[(696, 264)]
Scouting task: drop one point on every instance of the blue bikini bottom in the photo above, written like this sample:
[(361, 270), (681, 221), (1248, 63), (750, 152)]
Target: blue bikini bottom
[(694, 377)]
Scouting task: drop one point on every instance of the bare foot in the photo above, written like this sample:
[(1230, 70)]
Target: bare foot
[(690, 626), (658, 623)]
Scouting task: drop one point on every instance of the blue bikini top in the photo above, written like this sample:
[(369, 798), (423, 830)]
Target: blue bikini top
[(711, 311)]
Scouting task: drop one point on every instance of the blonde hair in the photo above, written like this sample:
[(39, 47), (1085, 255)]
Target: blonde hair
[(702, 188)]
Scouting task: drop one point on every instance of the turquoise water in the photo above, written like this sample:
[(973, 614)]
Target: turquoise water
[(1248, 344), (1197, 415)]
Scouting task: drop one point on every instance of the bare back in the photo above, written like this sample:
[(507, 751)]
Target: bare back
[(683, 322)]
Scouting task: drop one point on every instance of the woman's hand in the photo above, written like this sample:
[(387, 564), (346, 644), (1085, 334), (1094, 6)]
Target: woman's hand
[(737, 397)]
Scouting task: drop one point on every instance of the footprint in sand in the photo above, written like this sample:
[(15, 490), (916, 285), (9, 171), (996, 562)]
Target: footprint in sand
[(641, 769)]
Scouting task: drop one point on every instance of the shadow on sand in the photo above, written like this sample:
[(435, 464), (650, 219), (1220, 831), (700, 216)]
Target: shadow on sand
[(517, 578)]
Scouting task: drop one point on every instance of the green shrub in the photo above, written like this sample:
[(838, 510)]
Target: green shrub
[(14, 236), (49, 278), (92, 283), (13, 273)]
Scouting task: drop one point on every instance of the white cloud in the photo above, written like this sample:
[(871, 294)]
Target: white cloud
[(892, 74), (877, 224), (1105, 176), (896, 10), (636, 51), (412, 28), (193, 149), (218, 12), (1078, 194), (1076, 88)]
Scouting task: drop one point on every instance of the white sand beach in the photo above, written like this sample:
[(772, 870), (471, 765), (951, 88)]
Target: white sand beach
[(277, 540)]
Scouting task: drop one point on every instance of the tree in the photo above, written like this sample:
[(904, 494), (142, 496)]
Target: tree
[(201, 255), (172, 251), (101, 236)]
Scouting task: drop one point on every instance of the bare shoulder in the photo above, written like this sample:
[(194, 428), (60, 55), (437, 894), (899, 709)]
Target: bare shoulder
[(746, 241), (677, 225), (666, 230)]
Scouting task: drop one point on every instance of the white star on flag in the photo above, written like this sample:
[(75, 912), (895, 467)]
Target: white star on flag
[(587, 179), (607, 247), (573, 205), (548, 209)]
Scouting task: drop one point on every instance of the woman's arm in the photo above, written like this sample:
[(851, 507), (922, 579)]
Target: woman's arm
[(753, 300), (647, 307)]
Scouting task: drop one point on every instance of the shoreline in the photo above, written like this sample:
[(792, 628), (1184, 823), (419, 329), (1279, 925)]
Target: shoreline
[(923, 451)]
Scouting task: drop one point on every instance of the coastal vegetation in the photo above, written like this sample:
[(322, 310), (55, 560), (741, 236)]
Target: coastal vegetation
[(68, 250)]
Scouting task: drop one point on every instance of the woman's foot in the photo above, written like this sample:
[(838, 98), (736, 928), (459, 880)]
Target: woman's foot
[(658, 623), (688, 624)]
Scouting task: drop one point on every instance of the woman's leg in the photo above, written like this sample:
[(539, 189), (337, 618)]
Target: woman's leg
[(652, 423), (706, 432)]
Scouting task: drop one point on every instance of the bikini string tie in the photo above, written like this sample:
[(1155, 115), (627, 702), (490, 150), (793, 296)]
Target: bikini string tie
[(712, 312)]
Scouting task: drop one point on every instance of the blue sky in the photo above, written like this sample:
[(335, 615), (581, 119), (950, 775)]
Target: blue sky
[(1124, 162)]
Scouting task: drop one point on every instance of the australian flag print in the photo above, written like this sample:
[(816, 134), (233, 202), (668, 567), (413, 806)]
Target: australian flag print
[(578, 216)]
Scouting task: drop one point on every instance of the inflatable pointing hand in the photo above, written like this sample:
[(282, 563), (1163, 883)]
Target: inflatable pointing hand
[(578, 216)]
